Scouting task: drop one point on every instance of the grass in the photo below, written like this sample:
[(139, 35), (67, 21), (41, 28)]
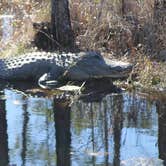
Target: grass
[(148, 73)]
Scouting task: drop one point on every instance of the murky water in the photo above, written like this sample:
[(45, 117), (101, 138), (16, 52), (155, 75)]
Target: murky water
[(48, 131)]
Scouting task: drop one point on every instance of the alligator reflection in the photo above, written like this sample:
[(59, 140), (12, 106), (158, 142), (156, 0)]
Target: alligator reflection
[(51, 131)]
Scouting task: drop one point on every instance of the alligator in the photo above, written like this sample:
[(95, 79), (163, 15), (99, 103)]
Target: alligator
[(46, 66)]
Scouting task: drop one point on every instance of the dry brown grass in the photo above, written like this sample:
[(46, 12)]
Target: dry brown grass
[(149, 73), (99, 24)]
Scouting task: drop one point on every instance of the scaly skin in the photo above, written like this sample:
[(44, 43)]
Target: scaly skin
[(44, 66), (32, 66)]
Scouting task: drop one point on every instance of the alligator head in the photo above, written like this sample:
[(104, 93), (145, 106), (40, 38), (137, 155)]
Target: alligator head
[(92, 65)]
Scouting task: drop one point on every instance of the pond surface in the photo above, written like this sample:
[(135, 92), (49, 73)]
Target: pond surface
[(50, 131)]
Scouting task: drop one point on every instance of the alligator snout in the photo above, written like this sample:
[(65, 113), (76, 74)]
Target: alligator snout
[(118, 69), (121, 67)]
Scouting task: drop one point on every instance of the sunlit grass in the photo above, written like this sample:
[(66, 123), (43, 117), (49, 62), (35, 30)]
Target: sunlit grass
[(152, 74), (149, 73)]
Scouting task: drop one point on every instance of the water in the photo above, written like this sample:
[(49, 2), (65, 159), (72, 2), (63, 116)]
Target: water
[(49, 131)]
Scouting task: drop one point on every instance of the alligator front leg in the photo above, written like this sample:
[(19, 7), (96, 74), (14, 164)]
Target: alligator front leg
[(51, 79), (47, 80)]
